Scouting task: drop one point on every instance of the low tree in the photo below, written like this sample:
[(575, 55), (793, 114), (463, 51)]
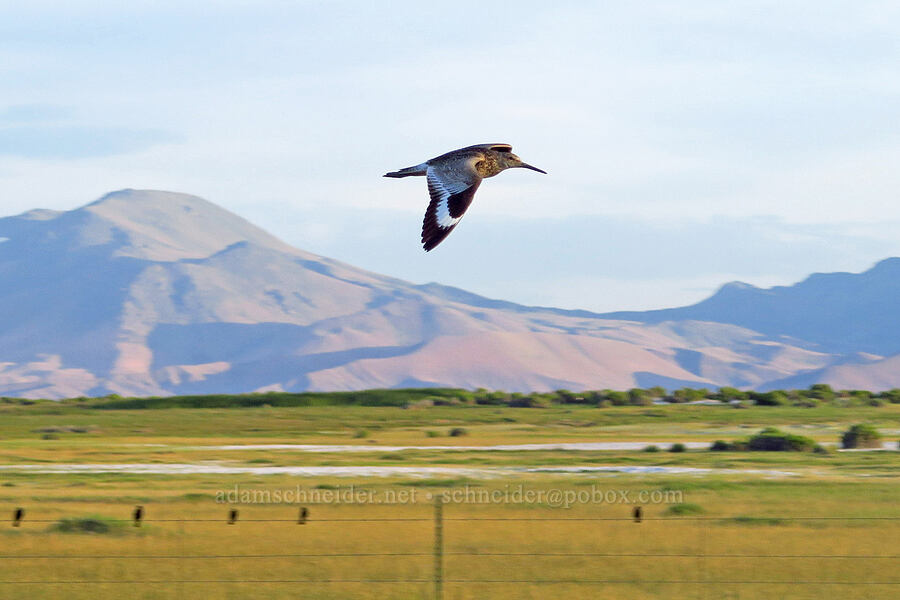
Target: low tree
[(639, 397)]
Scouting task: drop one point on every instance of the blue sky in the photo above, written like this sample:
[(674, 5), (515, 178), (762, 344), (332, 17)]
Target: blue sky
[(688, 144)]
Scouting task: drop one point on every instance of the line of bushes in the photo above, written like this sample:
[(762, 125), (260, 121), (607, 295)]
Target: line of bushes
[(816, 395), (399, 397), (771, 439)]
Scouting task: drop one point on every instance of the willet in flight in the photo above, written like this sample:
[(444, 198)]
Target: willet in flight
[(452, 181)]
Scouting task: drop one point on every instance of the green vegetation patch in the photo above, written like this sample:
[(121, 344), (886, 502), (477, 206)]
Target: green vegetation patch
[(93, 524), (765, 521), (684, 509)]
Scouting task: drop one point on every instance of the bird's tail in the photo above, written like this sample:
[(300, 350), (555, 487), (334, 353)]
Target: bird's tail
[(408, 171)]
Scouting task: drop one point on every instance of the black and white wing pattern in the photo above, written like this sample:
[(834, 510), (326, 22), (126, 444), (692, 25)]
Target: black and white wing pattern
[(450, 195)]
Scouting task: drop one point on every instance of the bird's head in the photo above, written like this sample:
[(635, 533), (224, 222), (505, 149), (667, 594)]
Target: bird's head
[(508, 160)]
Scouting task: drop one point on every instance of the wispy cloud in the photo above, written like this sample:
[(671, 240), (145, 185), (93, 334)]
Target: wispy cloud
[(29, 113), (649, 116), (77, 141), (48, 131)]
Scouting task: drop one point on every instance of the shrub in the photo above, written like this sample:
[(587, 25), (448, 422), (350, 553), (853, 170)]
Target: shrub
[(92, 524), (492, 398), (861, 436), (685, 508), (684, 395), (861, 395), (617, 398), (360, 433), (458, 431), (720, 446), (432, 434), (773, 440), (639, 397), (678, 447), (657, 391), (776, 398), (689, 395), (651, 448), (726, 394), (821, 391), (530, 402), (565, 397)]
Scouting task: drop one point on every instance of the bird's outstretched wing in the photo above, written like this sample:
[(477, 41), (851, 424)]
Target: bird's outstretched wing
[(450, 197)]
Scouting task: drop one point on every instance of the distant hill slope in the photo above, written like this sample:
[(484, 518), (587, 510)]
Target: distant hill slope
[(837, 312), (863, 374), (155, 293)]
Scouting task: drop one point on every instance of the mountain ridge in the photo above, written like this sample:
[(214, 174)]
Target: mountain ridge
[(147, 292), (837, 312)]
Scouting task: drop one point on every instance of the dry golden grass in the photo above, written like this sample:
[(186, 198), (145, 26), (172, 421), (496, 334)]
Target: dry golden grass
[(753, 539), (505, 547)]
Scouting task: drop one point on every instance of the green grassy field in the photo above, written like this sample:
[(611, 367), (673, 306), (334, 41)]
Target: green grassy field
[(731, 532)]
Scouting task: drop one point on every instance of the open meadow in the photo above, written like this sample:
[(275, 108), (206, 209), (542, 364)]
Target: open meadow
[(515, 523)]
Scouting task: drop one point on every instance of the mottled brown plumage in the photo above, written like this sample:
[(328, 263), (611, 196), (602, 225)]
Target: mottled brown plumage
[(453, 179)]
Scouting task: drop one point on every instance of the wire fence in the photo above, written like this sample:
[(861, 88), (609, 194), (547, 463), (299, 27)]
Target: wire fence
[(652, 555)]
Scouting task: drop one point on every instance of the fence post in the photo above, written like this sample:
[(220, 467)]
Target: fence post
[(438, 547)]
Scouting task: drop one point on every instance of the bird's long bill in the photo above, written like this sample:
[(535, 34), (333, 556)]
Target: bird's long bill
[(527, 166)]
